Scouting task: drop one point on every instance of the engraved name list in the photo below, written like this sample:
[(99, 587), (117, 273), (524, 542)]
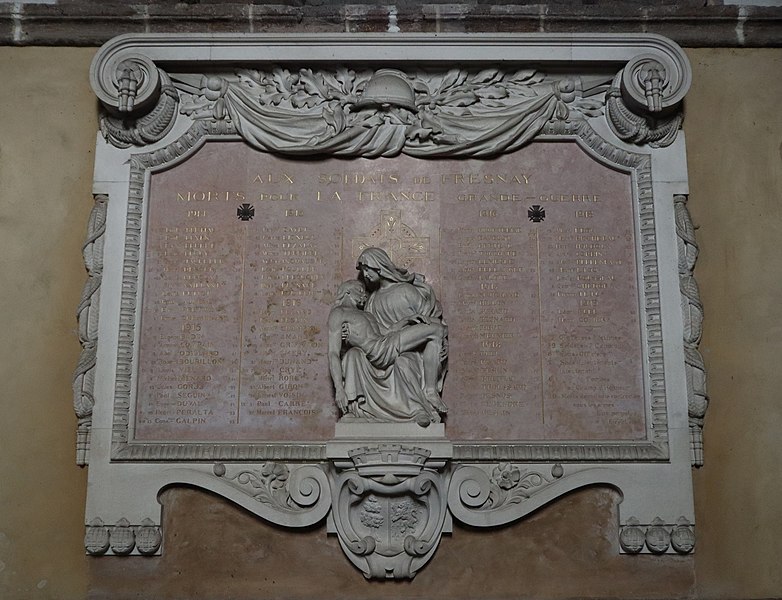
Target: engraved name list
[(533, 254)]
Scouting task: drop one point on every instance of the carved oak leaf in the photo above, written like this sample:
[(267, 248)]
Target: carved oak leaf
[(302, 98), (283, 81), (418, 133), (420, 86), (314, 84), (337, 87), (430, 121), (274, 99), (250, 78), (345, 77)]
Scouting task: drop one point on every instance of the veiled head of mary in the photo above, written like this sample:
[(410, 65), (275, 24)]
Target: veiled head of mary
[(374, 264)]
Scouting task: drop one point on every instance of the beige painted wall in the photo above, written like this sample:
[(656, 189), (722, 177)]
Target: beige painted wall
[(48, 123), (734, 136), (47, 135)]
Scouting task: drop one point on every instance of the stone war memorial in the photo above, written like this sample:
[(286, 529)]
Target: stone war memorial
[(390, 283)]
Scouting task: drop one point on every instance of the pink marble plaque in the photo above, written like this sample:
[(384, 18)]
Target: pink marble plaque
[(532, 255)]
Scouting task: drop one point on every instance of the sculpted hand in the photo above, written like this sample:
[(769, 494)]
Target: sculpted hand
[(444, 350), (342, 401), (414, 320)]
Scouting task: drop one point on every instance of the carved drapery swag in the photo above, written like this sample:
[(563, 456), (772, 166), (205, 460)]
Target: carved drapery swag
[(347, 113)]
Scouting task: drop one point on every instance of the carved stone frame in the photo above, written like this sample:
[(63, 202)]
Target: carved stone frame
[(145, 128)]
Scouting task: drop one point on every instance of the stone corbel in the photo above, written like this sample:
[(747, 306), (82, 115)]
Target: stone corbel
[(643, 105)]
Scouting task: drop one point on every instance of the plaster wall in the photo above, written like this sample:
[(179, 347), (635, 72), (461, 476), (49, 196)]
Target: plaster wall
[(48, 121), (734, 147), (214, 550)]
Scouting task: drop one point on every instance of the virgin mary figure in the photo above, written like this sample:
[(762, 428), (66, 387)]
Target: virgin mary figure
[(395, 383)]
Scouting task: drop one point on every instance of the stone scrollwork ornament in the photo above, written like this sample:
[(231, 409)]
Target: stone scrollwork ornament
[(274, 485)]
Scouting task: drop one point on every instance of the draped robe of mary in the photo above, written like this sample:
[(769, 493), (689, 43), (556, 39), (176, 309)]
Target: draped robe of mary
[(388, 385)]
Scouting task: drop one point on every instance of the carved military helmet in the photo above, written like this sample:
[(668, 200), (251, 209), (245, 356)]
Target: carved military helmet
[(387, 88)]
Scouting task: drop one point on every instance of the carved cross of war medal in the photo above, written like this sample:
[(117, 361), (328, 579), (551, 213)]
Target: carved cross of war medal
[(396, 238), (245, 212), (536, 214)]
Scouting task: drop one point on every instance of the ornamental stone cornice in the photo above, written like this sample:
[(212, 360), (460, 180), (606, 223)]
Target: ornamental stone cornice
[(91, 23)]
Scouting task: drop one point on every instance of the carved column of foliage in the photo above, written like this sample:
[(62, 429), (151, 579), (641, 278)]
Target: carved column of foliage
[(87, 315), (692, 309)]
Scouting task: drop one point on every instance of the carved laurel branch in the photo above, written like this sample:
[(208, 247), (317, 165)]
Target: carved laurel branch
[(122, 538), (657, 537), (87, 316), (692, 311)]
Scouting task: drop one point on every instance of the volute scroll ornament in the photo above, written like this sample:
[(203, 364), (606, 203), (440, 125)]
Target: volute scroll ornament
[(139, 99), (643, 105), (127, 84)]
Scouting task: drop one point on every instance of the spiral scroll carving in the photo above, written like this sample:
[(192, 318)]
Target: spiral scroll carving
[(146, 129), (643, 127)]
